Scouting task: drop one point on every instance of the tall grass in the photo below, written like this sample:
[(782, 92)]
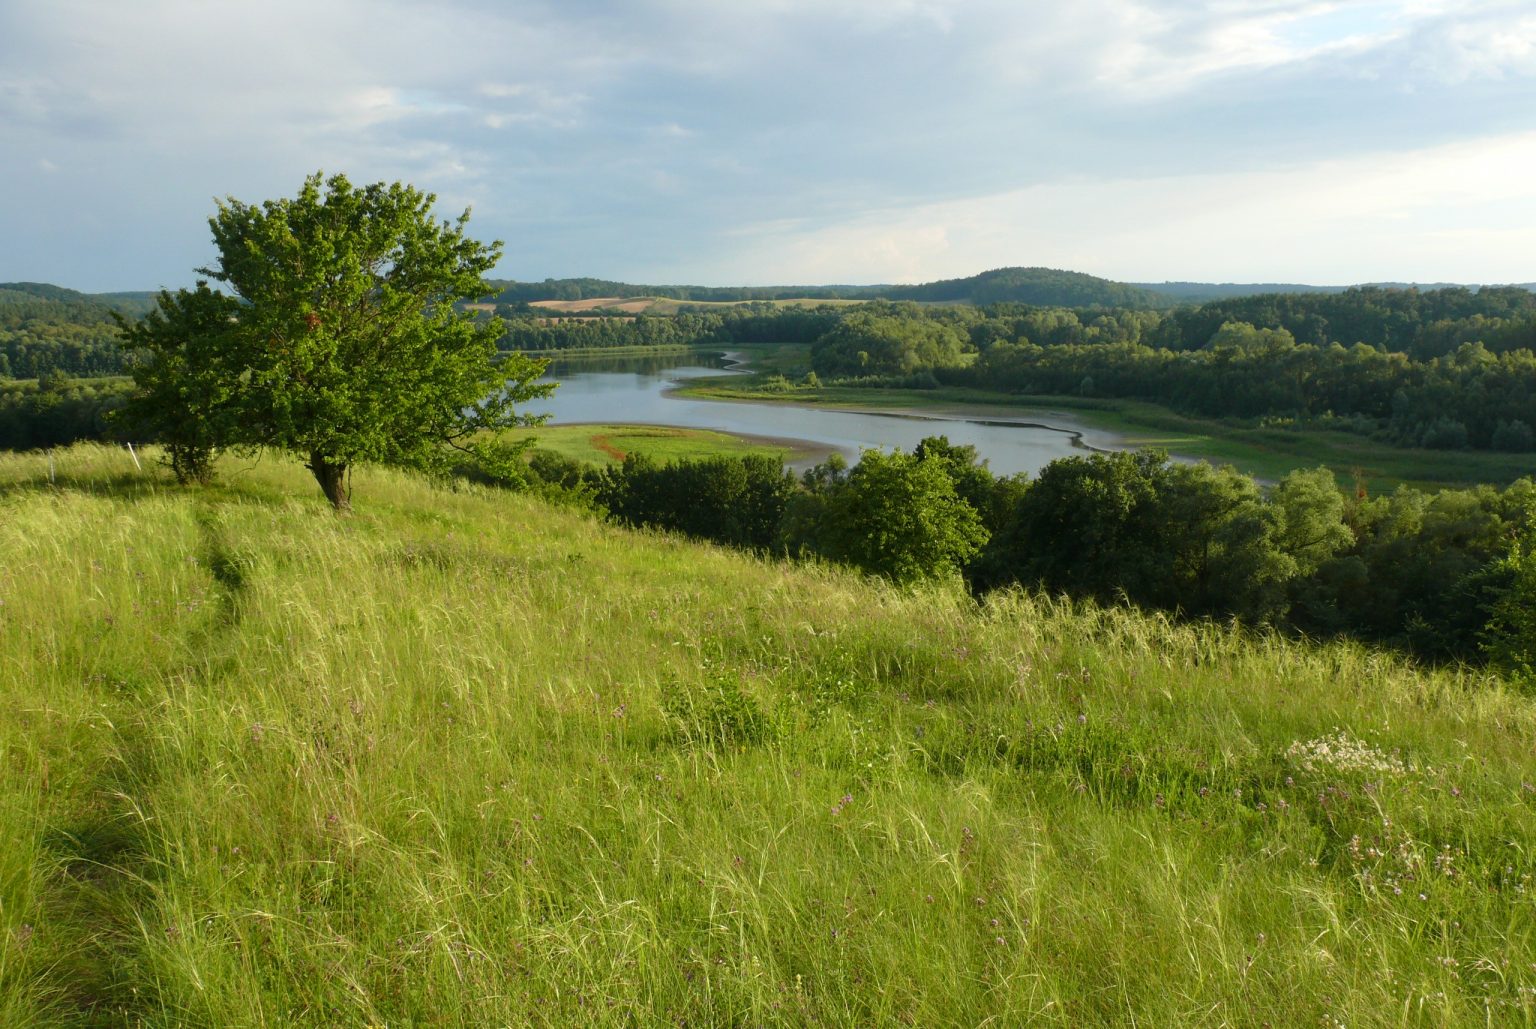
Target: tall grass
[(464, 759)]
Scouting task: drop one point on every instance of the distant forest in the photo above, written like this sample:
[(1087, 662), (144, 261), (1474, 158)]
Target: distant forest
[(1450, 368), (1002, 285)]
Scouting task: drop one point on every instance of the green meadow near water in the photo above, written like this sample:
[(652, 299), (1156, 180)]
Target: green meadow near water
[(610, 444), (468, 759)]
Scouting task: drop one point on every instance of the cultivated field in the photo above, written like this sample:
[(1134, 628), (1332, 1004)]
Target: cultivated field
[(665, 305)]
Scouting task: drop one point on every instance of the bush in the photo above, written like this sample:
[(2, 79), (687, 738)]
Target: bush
[(716, 712), (1444, 434), (1514, 436)]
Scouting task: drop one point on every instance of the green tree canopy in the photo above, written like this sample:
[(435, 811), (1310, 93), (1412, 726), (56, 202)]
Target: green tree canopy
[(870, 343), (894, 515), (186, 377), (345, 334)]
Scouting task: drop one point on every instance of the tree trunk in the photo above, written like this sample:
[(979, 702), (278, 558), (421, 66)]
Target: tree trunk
[(332, 478)]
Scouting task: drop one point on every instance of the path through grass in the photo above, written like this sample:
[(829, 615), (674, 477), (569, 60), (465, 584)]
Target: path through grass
[(465, 759)]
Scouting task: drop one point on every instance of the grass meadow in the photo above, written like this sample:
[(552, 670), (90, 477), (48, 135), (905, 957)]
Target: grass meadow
[(610, 444), (464, 759)]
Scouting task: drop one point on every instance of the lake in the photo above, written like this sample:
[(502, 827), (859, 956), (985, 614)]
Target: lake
[(636, 391)]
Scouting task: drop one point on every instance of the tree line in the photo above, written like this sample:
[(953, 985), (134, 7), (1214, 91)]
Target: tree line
[(1448, 368), (1471, 397), (57, 410), (50, 330), (1447, 576)]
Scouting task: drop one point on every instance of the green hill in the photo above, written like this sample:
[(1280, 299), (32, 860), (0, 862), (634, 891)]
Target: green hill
[(51, 303), (466, 759), (1043, 287), (50, 328)]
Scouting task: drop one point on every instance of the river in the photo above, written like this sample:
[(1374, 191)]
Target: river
[(622, 391)]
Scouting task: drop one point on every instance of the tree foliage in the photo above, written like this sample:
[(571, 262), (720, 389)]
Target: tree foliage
[(186, 377), (871, 343), (1511, 634), (738, 501), (343, 335), (893, 515)]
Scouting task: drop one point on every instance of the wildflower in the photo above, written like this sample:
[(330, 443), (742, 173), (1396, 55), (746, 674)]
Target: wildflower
[(1342, 752)]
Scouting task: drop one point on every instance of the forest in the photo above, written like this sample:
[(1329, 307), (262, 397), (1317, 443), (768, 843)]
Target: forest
[(1436, 574), (1444, 369), (1449, 369)]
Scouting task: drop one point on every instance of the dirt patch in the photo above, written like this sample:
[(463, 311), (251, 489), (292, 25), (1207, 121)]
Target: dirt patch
[(602, 442)]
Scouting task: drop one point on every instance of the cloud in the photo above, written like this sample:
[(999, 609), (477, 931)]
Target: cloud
[(623, 138), (1451, 213)]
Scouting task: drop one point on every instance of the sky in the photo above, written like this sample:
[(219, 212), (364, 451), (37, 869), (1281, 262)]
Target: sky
[(737, 142)]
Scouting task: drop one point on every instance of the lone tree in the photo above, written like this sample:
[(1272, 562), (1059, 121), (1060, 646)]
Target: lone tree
[(342, 343)]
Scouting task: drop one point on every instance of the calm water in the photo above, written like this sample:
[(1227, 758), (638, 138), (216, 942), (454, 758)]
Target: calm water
[(634, 391)]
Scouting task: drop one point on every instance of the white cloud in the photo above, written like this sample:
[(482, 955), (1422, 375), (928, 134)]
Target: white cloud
[(598, 133), (1460, 213), (1493, 46)]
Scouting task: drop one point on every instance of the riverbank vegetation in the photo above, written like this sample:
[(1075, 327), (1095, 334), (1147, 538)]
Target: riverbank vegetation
[(608, 444), (468, 758), (1262, 448), (1400, 385), (1433, 574), (1394, 375)]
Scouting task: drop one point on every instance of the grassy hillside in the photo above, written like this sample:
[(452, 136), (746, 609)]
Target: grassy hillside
[(464, 759)]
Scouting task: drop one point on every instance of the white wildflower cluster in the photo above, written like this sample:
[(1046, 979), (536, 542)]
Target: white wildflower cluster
[(1341, 752)]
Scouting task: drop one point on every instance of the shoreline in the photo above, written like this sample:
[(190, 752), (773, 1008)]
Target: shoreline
[(800, 453), (1105, 442)]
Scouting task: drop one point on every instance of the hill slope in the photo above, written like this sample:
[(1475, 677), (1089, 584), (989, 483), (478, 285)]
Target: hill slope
[(469, 760), (58, 303), (1044, 287)]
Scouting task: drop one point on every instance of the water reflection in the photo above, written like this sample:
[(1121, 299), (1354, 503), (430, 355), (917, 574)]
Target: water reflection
[(634, 391)]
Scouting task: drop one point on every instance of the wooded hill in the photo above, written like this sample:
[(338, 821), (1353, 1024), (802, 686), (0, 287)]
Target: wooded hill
[(1041, 286)]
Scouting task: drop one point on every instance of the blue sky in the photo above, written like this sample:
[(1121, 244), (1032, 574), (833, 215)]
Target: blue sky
[(793, 141)]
